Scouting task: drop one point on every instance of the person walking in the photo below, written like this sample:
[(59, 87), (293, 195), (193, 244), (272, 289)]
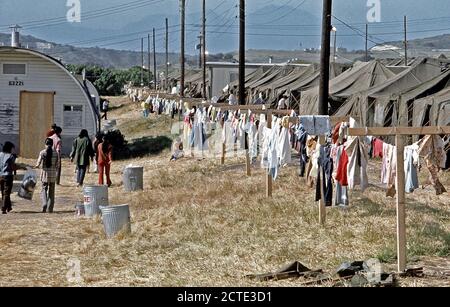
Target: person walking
[(7, 168), (105, 107), (104, 161), (82, 151), (98, 140), (57, 146), (49, 159)]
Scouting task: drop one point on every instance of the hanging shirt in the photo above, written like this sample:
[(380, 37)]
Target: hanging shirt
[(342, 165), (284, 147), (411, 164), (357, 164), (377, 148), (324, 182)]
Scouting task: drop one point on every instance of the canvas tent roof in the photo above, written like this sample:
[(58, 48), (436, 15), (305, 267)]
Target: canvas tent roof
[(360, 77), (372, 106), (438, 106)]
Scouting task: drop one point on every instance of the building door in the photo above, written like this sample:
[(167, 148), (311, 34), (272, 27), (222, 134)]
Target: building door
[(36, 118)]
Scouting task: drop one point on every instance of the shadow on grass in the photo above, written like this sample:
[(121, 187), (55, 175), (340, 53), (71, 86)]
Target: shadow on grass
[(372, 208), (113, 108), (143, 146)]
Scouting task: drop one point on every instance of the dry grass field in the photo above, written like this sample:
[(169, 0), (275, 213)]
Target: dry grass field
[(198, 223)]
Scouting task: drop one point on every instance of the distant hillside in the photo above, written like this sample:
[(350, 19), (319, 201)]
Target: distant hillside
[(121, 59), (435, 43)]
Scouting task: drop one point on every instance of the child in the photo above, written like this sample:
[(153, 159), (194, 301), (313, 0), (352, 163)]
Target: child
[(50, 164), (7, 168), (177, 150)]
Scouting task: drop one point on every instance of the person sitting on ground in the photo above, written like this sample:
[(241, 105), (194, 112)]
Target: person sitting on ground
[(177, 150), (50, 163)]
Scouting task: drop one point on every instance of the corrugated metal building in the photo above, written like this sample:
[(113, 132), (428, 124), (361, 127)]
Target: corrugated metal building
[(36, 91)]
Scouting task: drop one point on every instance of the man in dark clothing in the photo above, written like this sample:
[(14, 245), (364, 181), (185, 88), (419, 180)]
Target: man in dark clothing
[(82, 152), (7, 168)]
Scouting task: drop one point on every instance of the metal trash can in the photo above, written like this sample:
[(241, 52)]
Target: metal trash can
[(116, 219), (94, 197), (133, 178)]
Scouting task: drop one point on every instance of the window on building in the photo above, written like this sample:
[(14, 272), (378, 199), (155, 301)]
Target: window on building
[(14, 69), (72, 116)]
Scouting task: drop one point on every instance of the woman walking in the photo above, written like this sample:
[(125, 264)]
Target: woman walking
[(49, 159), (104, 151), (82, 151)]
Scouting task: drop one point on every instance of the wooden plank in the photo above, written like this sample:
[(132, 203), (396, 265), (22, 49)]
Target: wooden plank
[(222, 158), (322, 208), (401, 214), (36, 117), (268, 176), (274, 112), (378, 131), (237, 107), (333, 119)]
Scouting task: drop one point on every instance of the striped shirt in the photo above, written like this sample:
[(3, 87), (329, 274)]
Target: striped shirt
[(48, 175)]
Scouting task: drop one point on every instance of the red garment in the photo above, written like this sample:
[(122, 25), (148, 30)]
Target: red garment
[(335, 134), (104, 157), (341, 175), (377, 148), (104, 168)]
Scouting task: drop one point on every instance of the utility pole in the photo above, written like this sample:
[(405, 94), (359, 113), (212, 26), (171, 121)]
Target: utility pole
[(335, 47), (200, 51), (142, 62), (325, 58), (242, 52), (182, 23), (204, 47), (154, 60), (367, 42), (406, 40), (148, 68), (167, 54)]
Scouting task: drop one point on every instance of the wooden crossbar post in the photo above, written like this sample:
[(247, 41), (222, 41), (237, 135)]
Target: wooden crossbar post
[(268, 175), (401, 218), (322, 208), (399, 133)]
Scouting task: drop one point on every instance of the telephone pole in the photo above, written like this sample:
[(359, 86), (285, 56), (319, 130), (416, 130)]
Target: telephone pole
[(167, 54), (154, 60), (182, 23), (406, 40), (199, 51), (142, 62), (367, 42), (148, 68), (242, 52), (325, 58), (204, 47)]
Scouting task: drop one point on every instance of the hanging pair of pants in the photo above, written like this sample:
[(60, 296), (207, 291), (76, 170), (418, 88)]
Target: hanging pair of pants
[(6, 184), (104, 169), (48, 196), (58, 174), (81, 172)]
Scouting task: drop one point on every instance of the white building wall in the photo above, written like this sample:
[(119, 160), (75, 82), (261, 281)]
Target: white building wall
[(42, 76)]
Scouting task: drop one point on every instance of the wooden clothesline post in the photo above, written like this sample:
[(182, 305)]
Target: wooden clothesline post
[(400, 133)]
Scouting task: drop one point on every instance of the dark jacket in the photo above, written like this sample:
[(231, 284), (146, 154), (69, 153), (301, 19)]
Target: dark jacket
[(82, 151)]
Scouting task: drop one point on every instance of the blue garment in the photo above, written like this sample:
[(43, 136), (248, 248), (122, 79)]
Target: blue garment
[(316, 125), (411, 178)]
